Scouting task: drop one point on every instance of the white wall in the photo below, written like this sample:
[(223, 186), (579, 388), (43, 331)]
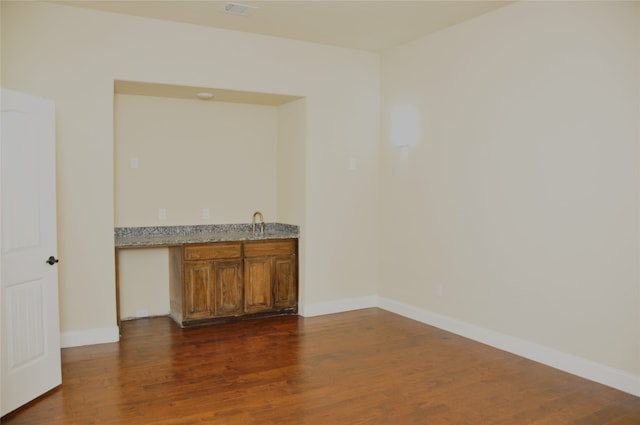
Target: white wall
[(73, 56), (520, 198)]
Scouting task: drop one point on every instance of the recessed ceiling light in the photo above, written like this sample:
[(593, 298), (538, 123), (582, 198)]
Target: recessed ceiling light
[(204, 95), (239, 9)]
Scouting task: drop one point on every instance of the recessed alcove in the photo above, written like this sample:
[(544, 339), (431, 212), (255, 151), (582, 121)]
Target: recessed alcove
[(180, 160)]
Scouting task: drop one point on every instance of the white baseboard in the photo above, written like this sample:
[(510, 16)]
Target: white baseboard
[(621, 380), (338, 306), (89, 337)]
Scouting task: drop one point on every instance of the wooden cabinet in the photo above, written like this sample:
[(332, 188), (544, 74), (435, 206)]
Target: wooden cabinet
[(271, 275), (285, 283), (257, 285), (206, 281), (228, 287), (224, 280), (198, 290)]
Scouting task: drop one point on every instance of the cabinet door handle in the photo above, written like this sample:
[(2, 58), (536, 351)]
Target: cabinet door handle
[(52, 260)]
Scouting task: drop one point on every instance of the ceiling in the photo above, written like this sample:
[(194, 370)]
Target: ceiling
[(373, 25)]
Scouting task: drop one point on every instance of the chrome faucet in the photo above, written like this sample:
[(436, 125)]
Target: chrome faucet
[(253, 222)]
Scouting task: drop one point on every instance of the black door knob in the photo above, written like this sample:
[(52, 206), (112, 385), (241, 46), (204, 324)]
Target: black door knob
[(52, 260)]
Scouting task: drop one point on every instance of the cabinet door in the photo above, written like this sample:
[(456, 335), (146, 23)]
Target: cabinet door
[(198, 290), (285, 282), (257, 286), (228, 286)]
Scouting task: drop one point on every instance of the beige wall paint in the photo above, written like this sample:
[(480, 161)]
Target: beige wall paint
[(291, 168), (144, 282), (73, 56), (291, 171), (521, 196), (194, 154)]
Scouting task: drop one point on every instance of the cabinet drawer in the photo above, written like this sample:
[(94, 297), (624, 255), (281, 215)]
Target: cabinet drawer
[(269, 248), (213, 251)]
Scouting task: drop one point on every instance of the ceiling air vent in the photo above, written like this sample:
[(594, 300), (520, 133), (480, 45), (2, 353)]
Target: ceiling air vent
[(239, 9)]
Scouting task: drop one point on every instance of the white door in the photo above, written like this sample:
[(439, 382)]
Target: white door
[(30, 340)]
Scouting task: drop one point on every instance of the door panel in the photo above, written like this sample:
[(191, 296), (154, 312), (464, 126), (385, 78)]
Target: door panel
[(25, 324), (199, 295), (30, 320), (285, 282), (257, 295), (21, 200), (228, 287)]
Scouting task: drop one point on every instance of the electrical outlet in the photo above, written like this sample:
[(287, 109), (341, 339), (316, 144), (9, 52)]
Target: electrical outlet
[(206, 213), (134, 163), (162, 213), (142, 313), (439, 289)]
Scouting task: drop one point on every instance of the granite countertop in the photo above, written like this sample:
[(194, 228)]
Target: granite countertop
[(131, 237)]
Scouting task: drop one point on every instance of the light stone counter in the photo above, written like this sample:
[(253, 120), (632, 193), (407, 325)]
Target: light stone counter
[(140, 237)]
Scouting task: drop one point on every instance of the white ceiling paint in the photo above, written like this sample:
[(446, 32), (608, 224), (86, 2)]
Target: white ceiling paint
[(367, 25)]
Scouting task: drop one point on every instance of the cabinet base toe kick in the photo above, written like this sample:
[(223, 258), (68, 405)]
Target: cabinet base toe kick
[(231, 319)]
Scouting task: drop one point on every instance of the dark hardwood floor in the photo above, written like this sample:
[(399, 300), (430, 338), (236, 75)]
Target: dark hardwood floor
[(362, 367)]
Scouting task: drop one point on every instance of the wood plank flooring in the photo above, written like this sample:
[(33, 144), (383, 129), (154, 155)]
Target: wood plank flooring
[(362, 367)]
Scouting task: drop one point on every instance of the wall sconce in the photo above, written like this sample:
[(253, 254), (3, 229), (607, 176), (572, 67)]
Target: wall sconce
[(405, 128)]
